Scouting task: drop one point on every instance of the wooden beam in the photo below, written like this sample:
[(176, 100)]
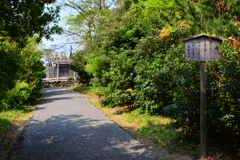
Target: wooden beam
[(203, 109)]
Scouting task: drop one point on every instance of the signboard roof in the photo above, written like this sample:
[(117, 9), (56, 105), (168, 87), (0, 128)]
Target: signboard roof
[(201, 35)]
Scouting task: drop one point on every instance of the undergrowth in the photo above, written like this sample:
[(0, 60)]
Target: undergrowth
[(10, 119)]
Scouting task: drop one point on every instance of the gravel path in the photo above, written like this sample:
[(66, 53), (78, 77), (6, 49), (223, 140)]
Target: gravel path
[(66, 126)]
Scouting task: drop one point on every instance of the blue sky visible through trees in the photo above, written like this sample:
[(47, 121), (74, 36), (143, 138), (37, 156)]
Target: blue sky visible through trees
[(60, 43)]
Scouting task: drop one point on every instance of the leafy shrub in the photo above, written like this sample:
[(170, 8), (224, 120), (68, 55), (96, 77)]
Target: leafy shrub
[(70, 79), (138, 60), (19, 94), (222, 98), (21, 77)]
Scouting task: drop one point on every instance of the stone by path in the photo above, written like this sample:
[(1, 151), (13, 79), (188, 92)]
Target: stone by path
[(66, 126)]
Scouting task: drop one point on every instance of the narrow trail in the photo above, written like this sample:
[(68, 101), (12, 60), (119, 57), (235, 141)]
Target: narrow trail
[(66, 126)]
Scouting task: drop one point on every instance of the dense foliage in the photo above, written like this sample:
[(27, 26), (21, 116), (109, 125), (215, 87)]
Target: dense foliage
[(22, 25), (135, 55), (20, 19)]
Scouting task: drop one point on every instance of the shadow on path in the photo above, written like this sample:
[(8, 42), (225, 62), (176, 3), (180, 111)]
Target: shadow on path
[(73, 129), (55, 94)]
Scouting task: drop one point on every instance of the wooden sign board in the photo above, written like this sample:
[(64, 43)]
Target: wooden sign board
[(202, 47)]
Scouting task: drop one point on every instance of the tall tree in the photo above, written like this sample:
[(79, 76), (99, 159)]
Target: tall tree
[(20, 19), (86, 17)]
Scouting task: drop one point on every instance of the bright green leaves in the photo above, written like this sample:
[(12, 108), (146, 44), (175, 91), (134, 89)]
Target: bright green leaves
[(118, 80), (213, 17), (163, 4), (22, 24), (136, 57), (88, 15), (21, 73)]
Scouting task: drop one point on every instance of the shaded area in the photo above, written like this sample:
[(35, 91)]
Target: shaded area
[(56, 94), (72, 128), (77, 138)]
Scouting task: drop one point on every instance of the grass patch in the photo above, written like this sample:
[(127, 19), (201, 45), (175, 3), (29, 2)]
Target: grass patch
[(163, 132), (85, 89), (156, 128), (90, 92), (10, 120)]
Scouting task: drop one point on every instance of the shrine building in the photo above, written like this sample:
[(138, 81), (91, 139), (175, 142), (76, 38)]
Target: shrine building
[(59, 70)]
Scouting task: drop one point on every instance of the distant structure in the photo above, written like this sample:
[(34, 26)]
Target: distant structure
[(59, 70)]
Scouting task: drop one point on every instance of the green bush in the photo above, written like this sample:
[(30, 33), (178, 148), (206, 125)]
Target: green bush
[(19, 94), (70, 79), (222, 98), (21, 77), (138, 60)]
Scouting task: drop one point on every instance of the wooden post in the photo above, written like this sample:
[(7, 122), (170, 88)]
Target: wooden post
[(203, 108), (202, 48), (57, 70)]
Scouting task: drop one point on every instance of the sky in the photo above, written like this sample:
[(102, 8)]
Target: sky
[(59, 43)]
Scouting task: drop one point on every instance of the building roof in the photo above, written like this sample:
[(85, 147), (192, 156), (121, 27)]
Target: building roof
[(62, 61)]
